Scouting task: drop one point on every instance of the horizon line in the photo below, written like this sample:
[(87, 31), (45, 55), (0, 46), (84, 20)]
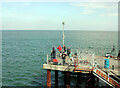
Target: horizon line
[(59, 30)]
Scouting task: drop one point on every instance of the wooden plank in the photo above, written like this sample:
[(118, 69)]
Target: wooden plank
[(82, 71), (58, 67)]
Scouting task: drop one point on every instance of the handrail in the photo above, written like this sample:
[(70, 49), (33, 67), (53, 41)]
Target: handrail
[(112, 81)]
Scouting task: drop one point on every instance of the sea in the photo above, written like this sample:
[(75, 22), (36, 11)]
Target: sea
[(24, 53)]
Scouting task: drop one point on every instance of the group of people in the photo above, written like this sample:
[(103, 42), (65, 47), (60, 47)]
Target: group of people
[(63, 53)]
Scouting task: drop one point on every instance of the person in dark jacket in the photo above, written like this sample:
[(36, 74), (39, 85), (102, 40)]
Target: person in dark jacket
[(53, 53), (118, 55), (64, 57)]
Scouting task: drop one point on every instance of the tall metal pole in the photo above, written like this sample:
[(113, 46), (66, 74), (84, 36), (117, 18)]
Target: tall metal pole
[(63, 32)]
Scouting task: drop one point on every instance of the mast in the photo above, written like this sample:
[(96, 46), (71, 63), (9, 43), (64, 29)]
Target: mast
[(63, 32)]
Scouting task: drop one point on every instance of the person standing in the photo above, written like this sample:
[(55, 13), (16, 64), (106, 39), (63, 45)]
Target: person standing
[(68, 51), (118, 55), (60, 49), (70, 54), (53, 53), (64, 48), (64, 57), (71, 58)]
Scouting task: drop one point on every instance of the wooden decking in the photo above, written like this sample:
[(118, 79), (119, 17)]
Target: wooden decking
[(83, 68), (58, 67)]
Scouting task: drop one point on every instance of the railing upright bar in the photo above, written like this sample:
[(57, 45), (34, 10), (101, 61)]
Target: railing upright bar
[(47, 58)]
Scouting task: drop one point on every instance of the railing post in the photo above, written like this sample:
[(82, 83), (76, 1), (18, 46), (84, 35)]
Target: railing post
[(108, 75), (47, 58), (93, 60)]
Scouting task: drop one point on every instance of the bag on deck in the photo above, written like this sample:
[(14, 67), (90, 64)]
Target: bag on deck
[(55, 60)]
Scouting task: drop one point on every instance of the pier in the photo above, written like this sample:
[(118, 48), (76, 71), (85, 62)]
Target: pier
[(91, 67), (84, 63)]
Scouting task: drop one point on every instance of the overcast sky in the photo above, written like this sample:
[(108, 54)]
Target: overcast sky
[(96, 16)]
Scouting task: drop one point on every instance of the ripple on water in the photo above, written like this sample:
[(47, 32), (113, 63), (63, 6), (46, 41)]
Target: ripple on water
[(7, 81)]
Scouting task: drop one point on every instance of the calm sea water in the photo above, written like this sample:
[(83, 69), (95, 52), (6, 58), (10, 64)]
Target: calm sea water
[(24, 52)]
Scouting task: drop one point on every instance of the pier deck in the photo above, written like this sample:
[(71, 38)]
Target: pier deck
[(83, 69), (109, 76)]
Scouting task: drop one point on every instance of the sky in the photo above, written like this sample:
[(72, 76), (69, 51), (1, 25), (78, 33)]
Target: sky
[(88, 16)]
